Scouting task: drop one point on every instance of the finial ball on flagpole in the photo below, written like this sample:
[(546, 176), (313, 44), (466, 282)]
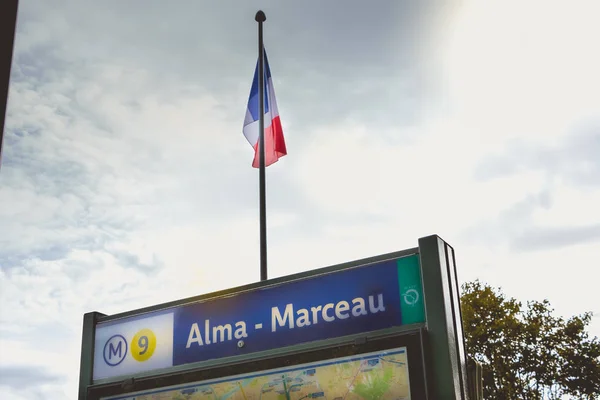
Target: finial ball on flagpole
[(260, 16)]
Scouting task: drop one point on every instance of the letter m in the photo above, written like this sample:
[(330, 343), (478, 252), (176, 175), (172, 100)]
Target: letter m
[(221, 332), (278, 320), (113, 351)]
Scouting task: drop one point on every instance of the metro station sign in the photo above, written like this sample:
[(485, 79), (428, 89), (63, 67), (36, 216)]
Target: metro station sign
[(350, 301)]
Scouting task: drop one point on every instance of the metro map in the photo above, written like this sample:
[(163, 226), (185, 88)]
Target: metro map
[(373, 376)]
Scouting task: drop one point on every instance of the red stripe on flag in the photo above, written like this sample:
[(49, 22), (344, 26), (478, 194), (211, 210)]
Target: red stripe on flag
[(274, 144)]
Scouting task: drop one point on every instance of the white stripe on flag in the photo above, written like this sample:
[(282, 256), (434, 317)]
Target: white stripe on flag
[(251, 130)]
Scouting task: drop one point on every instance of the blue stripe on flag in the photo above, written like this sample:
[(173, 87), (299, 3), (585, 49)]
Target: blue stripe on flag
[(253, 105)]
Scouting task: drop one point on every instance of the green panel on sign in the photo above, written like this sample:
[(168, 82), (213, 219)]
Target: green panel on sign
[(411, 290)]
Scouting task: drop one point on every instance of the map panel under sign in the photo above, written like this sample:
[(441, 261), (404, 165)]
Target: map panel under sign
[(378, 375)]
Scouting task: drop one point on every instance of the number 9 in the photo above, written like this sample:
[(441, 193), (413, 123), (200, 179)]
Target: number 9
[(143, 344)]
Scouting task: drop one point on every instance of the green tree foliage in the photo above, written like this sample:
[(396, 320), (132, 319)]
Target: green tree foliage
[(526, 351)]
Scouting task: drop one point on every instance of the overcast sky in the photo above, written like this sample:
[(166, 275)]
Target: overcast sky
[(126, 180)]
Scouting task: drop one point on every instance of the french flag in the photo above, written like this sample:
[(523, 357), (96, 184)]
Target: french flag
[(274, 141)]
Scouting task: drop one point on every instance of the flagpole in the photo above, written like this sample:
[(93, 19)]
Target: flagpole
[(260, 18)]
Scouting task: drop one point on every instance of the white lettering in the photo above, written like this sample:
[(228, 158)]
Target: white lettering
[(277, 319), (194, 336), (240, 332), (315, 311), (380, 306), (328, 306), (303, 318), (359, 307), (207, 331), (219, 333), (341, 307)]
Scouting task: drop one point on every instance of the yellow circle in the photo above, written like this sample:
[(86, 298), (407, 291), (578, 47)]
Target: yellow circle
[(143, 345)]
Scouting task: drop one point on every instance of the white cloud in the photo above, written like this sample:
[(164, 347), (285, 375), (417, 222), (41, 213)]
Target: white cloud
[(527, 74)]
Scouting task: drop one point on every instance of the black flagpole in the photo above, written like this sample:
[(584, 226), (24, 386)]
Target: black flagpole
[(260, 18)]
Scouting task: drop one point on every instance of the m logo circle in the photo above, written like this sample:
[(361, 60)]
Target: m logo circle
[(115, 350)]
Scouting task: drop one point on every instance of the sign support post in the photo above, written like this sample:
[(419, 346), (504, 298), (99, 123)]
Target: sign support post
[(87, 352), (446, 357)]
